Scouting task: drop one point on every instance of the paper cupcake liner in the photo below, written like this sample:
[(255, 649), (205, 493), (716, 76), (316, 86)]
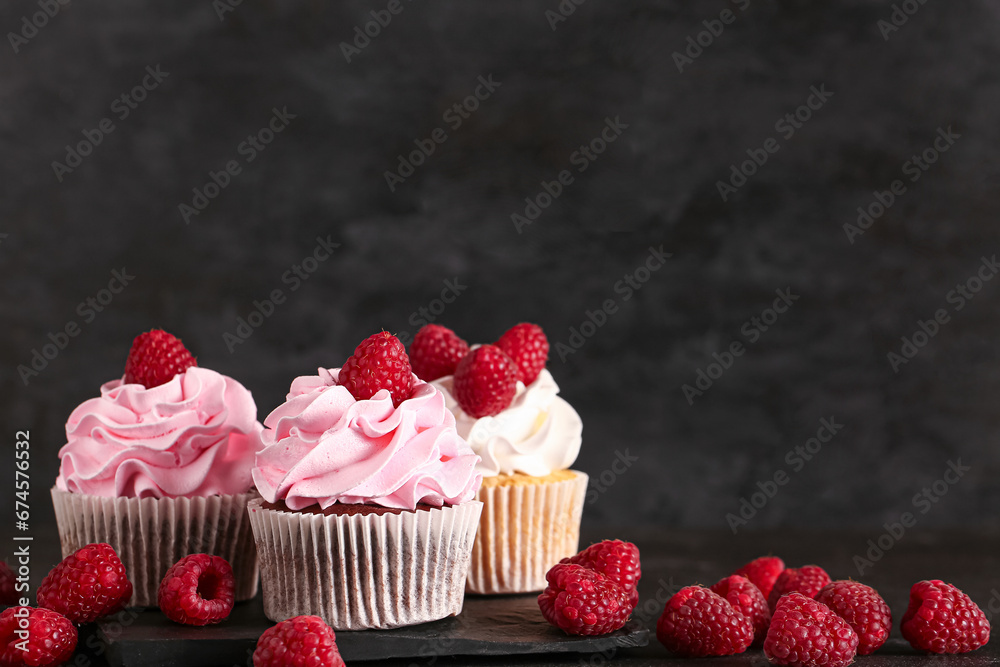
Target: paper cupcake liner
[(365, 571), (525, 530), (151, 534)]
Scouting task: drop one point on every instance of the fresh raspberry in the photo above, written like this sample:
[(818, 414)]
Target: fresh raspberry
[(379, 362), (8, 595), (436, 351), (485, 381), (747, 599), (581, 601), (302, 641), (87, 585), (863, 609), (616, 560), (943, 619), (763, 572), (697, 622), (198, 590), (51, 638), (808, 580), (806, 633), (156, 357), (527, 345)]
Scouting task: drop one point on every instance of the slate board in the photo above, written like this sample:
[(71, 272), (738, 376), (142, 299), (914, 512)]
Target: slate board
[(488, 625)]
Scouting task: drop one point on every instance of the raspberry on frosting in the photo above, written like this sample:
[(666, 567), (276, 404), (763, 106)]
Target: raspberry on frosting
[(322, 447)]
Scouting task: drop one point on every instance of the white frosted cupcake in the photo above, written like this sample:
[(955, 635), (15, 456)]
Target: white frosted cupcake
[(159, 465), (367, 516)]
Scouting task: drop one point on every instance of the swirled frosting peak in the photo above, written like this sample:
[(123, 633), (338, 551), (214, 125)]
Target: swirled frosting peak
[(196, 435), (322, 447)]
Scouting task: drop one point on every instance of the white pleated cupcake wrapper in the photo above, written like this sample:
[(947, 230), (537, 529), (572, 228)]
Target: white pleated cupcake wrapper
[(151, 534), (525, 530), (365, 571)]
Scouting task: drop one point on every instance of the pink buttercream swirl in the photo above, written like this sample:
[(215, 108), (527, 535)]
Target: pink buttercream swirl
[(323, 446), (196, 435)]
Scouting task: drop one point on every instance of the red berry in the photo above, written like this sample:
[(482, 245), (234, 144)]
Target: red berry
[(697, 622), (763, 572), (8, 595), (808, 580), (863, 609), (436, 351), (580, 601), (806, 633), (198, 590), (302, 641), (485, 381), (749, 601), (527, 345), (156, 357), (379, 362), (51, 638), (943, 619), (87, 585), (616, 560)]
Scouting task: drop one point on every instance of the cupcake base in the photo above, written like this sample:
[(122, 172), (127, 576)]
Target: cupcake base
[(151, 534), (359, 570), (529, 524)]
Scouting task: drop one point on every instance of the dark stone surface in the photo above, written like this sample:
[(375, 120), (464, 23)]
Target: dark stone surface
[(324, 175)]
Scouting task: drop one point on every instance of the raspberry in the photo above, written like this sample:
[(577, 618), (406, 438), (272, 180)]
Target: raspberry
[(379, 362), (582, 601), (527, 345), (806, 633), (302, 640), (763, 572), (7, 594), (87, 585), (485, 381), (697, 622), (435, 351), (943, 619), (616, 560), (808, 580), (747, 599), (863, 609), (198, 590), (156, 357), (51, 638)]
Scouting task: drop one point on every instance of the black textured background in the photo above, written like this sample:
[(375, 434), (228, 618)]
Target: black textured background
[(324, 176)]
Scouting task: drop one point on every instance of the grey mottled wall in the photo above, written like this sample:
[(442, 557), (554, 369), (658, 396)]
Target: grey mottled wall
[(656, 184)]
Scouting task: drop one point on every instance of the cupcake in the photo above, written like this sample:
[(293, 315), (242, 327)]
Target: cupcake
[(367, 513), (158, 467), (506, 405)]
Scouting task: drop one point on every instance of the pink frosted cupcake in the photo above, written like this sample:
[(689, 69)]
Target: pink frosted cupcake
[(159, 465), (367, 517)]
